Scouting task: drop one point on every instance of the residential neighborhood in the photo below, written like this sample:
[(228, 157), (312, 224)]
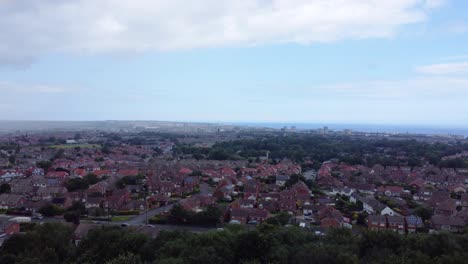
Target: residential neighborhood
[(92, 178)]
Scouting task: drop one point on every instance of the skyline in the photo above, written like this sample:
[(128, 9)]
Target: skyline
[(399, 62)]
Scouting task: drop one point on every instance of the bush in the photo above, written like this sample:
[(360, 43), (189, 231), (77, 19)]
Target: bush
[(50, 210)]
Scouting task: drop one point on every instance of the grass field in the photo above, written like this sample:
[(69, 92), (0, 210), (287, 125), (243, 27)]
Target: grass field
[(121, 218), (70, 146)]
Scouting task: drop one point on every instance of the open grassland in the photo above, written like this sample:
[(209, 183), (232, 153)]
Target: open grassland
[(69, 146)]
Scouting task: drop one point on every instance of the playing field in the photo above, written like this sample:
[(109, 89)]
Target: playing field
[(69, 146)]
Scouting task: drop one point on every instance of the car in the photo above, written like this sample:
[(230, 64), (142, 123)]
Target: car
[(220, 229), (124, 224), (38, 216)]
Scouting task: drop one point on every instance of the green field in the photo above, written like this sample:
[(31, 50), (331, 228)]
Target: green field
[(121, 218), (70, 146)]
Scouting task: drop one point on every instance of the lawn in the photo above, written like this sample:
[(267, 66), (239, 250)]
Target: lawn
[(70, 146), (121, 218)]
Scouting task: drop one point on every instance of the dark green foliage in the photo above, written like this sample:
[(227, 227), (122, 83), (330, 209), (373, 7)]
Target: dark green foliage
[(51, 243), (319, 148), (76, 184), (211, 216), (44, 164), (129, 180), (72, 217), (423, 212), (50, 210), (280, 219), (91, 179), (294, 179), (46, 243), (5, 188)]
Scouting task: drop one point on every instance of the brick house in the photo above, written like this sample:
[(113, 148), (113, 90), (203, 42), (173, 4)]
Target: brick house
[(12, 201), (377, 222)]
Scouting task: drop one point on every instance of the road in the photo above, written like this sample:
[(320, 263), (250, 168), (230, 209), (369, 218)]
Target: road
[(140, 220), (205, 189)]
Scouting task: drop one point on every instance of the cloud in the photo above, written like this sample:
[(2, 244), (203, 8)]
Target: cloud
[(32, 28), (434, 3), (14, 88), (444, 68), (459, 27), (416, 88)]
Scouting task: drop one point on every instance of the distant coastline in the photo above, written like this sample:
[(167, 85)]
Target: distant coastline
[(372, 128), (21, 125)]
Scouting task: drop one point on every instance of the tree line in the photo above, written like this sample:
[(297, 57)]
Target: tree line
[(269, 243), (320, 148)]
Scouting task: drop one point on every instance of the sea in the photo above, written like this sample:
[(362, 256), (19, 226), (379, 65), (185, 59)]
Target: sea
[(372, 128)]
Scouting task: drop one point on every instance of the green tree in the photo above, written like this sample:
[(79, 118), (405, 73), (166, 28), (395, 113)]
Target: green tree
[(50, 210), (5, 188), (76, 184), (424, 212), (91, 178), (72, 217)]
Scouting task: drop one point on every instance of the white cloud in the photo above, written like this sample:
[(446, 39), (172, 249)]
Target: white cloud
[(444, 68), (12, 88), (31, 28), (459, 27), (432, 88), (434, 3)]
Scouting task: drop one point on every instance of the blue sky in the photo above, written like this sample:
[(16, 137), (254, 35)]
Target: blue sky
[(356, 61)]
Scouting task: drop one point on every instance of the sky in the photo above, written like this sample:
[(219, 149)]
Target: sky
[(296, 61)]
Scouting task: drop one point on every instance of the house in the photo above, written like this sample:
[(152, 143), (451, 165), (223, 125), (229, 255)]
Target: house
[(8, 201), (8, 227), (326, 201), (395, 191), (372, 206), (447, 223), (166, 188), (413, 222), (185, 171), (396, 223), (47, 193), (365, 188), (281, 180), (82, 231), (330, 217), (118, 198), (310, 209), (341, 191), (256, 216), (458, 188), (239, 215), (92, 202), (62, 202), (102, 173), (447, 207), (423, 194), (127, 172), (387, 211), (287, 205), (57, 174), (464, 200), (377, 222), (247, 203), (227, 172), (271, 206)]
